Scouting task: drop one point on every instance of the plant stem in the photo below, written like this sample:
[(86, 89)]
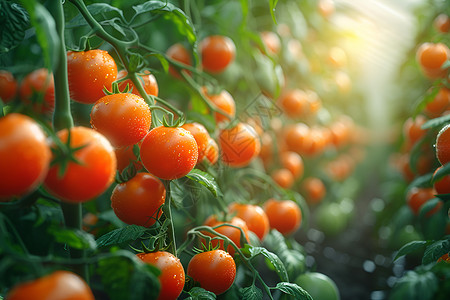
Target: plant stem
[(168, 213)]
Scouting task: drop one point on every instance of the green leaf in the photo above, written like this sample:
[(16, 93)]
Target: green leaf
[(197, 293), (100, 11), (441, 172), (433, 226), (206, 180), (294, 290), (436, 250), (46, 33), (436, 122), (410, 247), (74, 238), (121, 235), (14, 20), (415, 286), (251, 293), (273, 4), (274, 260), (125, 277), (421, 181), (169, 12)]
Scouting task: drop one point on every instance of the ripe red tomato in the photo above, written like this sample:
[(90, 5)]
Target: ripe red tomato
[(283, 177), (217, 52), (442, 185), (89, 72), (125, 156), (295, 103), (8, 86), (24, 155), (35, 85), (172, 273), (254, 216), (138, 200), (314, 189), (215, 270), (293, 162), (271, 41), (431, 56), (169, 153), (443, 145), (200, 135), (417, 197), (284, 215), (239, 145), (148, 81), (58, 285), (124, 119), (212, 151), (233, 233), (178, 53), (85, 181), (223, 101)]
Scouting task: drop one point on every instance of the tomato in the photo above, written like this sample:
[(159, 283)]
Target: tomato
[(271, 41), (178, 53), (296, 137), (239, 145), (412, 129), (254, 216), (125, 156), (293, 162), (148, 82), (8, 86), (169, 153), (38, 88), (217, 52), (212, 151), (89, 72), (294, 103), (283, 177), (331, 219), (442, 23), (314, 190), (439, 104), (444, 258), (443, 145), (24, 155), (224, 102), (442, 185), (59, 285), (284, 215), (138, 200), (318, 285), (326, 8), (172, 275), (124, 119), (93, 174), (231, 232), (214, 270), (201, 136), (431, 57), (417, 197)]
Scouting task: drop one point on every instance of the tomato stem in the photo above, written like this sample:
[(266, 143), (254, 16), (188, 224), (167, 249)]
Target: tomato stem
[(168, 213)]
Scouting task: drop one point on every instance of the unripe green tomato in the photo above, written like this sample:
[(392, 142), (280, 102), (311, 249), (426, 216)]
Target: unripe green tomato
[(318, 285)]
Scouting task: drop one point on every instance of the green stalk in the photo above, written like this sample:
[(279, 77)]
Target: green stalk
[(168, 213), (62, 119)]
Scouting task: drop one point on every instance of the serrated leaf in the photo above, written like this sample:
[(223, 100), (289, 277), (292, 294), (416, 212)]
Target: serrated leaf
[(294, 290), (74, 238), (46, 33), (197, 293), (251, 293), (204, 179), (274, 260), (121, 235), (436, 250), (170, 12), (14, 20), (410, 247), (415, 286), (100, 11), (436, 122)]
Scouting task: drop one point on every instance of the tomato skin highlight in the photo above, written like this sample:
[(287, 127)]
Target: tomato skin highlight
[(89, 72), (169, 153), (214, 270), (239, 145), (137, 201), (81, 183), (124, 119), (284, 215), (59, 285), (172, 275), (24, 155)]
